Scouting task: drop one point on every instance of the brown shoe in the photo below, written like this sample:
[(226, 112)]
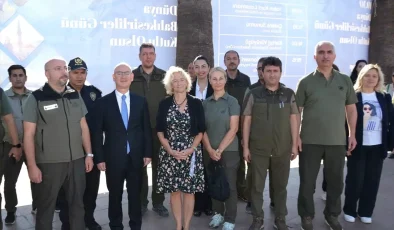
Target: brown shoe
[(258, 223), (333, 222), (280, 223), (306, 223)]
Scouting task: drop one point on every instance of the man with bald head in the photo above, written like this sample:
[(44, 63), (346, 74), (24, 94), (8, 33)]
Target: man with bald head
[(124, 118), (54, 122), (326, 98)]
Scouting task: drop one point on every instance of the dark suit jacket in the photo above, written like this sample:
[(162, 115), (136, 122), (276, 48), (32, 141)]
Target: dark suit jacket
[(387, 123), (108, 119), (193, 90)]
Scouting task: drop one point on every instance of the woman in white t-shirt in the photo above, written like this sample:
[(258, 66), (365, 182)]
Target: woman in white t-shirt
[(374, 130)]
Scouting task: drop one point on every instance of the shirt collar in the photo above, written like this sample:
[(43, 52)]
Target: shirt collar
[(236, 76), (118, 94), (320, 74), (10, 92), (225, 97)]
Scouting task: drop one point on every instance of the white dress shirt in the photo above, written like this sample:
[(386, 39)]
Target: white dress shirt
[(119, 99), (200, 95)]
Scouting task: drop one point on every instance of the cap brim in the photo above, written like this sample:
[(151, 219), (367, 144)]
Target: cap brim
[(78, 68)]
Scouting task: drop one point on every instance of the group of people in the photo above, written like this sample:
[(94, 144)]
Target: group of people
[(181, 122)]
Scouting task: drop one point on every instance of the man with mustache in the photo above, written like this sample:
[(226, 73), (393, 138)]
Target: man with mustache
[(17, 96), (326, 99), (78, 71), (55, 136), (236, 85)]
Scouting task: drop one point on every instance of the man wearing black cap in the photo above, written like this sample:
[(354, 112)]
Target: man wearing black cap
[(78, 71)]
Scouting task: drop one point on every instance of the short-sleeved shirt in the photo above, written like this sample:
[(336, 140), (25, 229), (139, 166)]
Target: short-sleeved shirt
[(5, 107), (324, 107), (217, 119)]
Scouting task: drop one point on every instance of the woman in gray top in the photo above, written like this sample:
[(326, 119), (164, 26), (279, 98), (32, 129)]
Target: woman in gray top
[(220, 142)]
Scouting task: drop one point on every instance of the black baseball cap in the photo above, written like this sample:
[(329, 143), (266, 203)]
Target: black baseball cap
[(77, 63)]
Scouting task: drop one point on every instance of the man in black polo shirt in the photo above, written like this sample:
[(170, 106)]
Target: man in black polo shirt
[(236, 85)]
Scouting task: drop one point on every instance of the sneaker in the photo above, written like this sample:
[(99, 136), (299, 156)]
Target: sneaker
[(333, 223), (161, 210), (34, 211), (280, 223), (366, 220), (228, 226), (57, 209), (248, 208), (216, 221), (306, 223), (10, 218), (391, 156), (258, 224), (349, 218)]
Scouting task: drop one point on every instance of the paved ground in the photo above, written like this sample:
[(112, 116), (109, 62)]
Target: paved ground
[(382, 219)]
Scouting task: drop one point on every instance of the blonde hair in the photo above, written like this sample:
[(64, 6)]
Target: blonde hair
[(170, 75), (359, 82), (218, 69)]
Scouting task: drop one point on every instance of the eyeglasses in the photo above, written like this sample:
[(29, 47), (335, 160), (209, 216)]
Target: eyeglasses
[(120, 73)]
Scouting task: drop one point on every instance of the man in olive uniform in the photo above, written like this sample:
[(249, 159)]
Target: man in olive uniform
[(259, 83), (326, 98), (148, 83), (17, 96), (15, 154), (270, 132), (55, 136), (236, 85), (78, 72)]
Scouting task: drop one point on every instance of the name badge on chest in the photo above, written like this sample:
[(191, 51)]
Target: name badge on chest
[(50, 107)]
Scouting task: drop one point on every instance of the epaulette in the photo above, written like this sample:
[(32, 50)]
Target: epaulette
[(94, 87)]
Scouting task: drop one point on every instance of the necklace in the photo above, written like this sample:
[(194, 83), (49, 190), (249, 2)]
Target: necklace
[(181, 102)]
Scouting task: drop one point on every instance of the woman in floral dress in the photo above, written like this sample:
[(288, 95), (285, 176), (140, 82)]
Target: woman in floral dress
[(180, 127)]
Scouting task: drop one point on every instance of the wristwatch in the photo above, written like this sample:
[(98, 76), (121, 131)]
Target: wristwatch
[(90, 155), (17, 146)]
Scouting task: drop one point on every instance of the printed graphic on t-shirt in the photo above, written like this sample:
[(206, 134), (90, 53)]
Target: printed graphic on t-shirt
[(372, 116)]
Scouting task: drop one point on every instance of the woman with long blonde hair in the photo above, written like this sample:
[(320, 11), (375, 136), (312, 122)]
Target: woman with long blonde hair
[(374, 130)]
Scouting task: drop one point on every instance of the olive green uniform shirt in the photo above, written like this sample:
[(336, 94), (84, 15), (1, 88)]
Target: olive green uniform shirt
[(217, 119), (324, 102)]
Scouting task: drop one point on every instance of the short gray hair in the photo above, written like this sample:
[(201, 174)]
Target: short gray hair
[(321, 43), (170, 75), (123, 64)]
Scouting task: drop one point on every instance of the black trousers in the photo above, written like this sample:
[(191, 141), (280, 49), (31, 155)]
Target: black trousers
[(89, 199), (70, 176), (157, 198), (116, 174), (10, 169), (324, 183), (202, 200), (364, 169)]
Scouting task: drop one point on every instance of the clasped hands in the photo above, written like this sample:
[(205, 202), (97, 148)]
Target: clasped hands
[(181, 155)]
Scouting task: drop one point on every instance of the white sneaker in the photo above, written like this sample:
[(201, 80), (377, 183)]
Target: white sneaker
[(216, 221), (324, 196), (228, 226), (34, 211), (349, 219), (366, 220)]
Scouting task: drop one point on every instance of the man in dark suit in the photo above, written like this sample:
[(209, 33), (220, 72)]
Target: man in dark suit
[(124, 118)]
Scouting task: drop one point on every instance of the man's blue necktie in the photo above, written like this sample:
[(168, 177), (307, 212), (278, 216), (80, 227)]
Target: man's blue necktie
[(125, 117)]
